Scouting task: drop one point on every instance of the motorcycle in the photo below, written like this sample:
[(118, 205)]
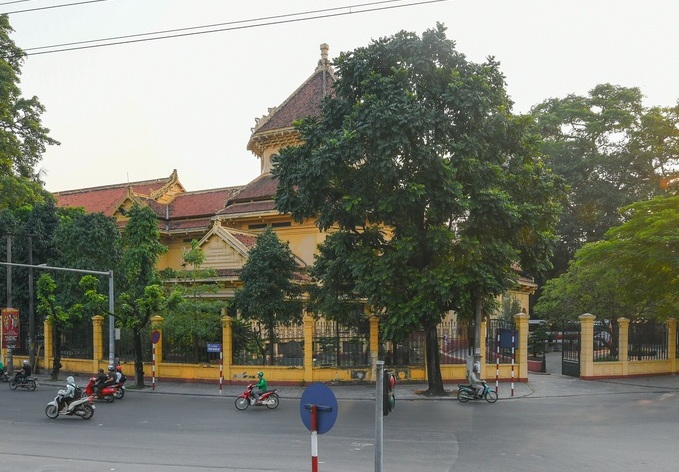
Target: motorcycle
[(82, 407), (120, 390), (107, 392), (468, 392), (29, 383), (245, 399)]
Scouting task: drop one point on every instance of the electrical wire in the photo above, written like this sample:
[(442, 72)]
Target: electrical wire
[(263, 21), (47, 8)]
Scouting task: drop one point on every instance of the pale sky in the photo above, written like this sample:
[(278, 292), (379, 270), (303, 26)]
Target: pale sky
[(137, 111)]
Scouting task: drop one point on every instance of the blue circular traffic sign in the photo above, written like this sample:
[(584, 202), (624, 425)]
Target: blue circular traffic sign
[(155, 336), (319, 395)]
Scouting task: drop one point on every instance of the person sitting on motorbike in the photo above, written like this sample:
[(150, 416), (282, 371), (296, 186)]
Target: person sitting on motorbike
[(22, 374), (102, 378), (120, 377), (475, 380), (260, 387), (67, 395)]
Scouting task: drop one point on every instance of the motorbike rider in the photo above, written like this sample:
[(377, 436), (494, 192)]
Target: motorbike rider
[(119, 376), (22, 374), (260, 387), (67, 395), (475, 380), (102, 380)]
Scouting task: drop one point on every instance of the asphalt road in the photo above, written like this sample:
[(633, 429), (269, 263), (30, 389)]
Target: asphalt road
[(148, 432)]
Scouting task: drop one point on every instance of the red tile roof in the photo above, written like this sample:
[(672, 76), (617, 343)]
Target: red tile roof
[(106, 199)]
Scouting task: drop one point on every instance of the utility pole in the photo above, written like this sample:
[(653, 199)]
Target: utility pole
[(31, 309), (10, 347)]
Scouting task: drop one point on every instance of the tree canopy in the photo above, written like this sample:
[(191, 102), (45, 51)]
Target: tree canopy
[(611, 151), (633, 272), (23, 138), (432, 189), (270, 294)]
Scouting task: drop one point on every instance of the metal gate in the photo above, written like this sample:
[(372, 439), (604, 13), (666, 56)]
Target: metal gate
[(570, 348)]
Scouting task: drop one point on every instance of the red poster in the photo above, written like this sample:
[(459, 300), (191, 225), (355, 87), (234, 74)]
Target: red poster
[(10, 328)]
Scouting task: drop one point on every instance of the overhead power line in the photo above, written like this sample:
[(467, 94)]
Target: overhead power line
[(46, 8), (228, 26)]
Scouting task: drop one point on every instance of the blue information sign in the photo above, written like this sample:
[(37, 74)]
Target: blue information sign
[(214, 347), (320, 395)]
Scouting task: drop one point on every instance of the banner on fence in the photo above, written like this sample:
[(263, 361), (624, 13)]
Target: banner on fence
[(10, 328)]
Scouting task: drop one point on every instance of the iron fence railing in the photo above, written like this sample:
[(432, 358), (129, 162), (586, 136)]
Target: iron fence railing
[(647, 341), (339, 346)]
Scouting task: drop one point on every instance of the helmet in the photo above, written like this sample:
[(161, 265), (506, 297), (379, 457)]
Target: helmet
[(70, 380), (119, 369), (260, 374), (111, 368), (25, 362)]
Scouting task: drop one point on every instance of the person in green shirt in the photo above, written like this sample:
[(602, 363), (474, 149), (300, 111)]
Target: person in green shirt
[(260, 387)]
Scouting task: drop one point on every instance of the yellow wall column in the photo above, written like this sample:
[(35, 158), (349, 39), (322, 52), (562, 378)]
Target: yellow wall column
[(521, 355), (309, 325), (586, 345), (227, 344), (482, 346), (49, 353), (97, 341), (374, 341), (623, 344), (157, 324), (672, 344)]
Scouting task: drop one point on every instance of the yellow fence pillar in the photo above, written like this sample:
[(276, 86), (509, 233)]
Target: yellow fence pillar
[(623, 344), (227, 344), (586, 345), (48, 333), (374, 341), (482, 347), (309, 325), (521, 355), (157, 324), (97, 341), (672, 343)]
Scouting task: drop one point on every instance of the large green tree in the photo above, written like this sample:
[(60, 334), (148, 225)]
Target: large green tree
[(633, 271), (23, 139), (270, 293), (431, 187), (197, 318), (141, 294), (611, 151)]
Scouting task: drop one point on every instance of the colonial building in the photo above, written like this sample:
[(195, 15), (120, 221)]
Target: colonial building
[(226, 221)]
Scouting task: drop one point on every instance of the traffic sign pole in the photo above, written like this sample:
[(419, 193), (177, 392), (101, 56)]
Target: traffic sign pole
[(314, 438), (379, 415)]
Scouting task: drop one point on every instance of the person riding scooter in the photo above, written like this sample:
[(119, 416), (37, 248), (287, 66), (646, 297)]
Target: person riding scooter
[(260, 387), (22, 374), (67, 395)]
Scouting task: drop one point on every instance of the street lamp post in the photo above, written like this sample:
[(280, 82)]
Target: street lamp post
[(111, 320)]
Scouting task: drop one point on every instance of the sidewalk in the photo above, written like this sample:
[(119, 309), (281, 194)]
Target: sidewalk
[(538, 386)]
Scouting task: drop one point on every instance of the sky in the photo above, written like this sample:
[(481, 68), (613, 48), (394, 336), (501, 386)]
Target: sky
[(138, 110)]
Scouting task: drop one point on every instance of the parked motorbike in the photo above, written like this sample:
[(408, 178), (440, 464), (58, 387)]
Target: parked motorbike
[(468, 392), (82, 407), (3, 376), (29, 383), (269, 399), (105, 393)]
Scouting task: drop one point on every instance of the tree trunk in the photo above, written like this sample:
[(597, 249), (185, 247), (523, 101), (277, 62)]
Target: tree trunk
[(434, 378), (138, 359), (56, 342), (272, 337)]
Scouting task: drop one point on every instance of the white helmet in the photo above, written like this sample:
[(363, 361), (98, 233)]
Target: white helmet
[(70, 380)]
